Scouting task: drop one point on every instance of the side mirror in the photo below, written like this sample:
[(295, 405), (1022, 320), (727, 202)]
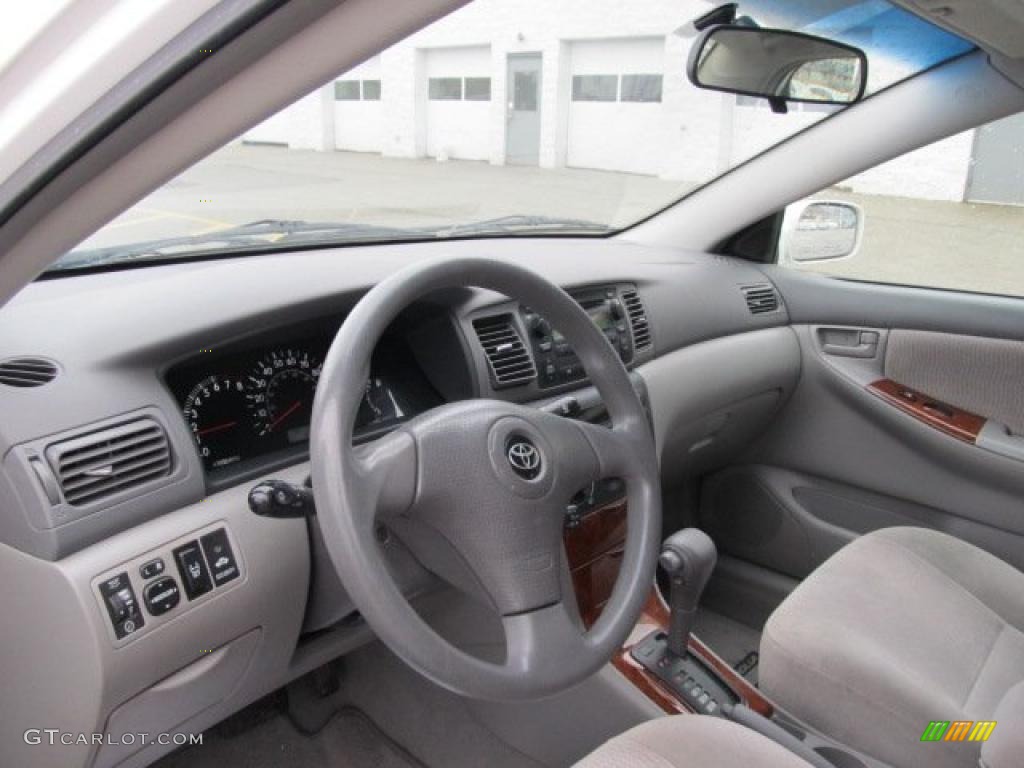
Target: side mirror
[(820, 230), (778, 65)]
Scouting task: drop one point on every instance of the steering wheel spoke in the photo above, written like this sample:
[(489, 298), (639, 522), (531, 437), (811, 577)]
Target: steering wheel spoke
[(539, 640), (386, 469), (616, 450)]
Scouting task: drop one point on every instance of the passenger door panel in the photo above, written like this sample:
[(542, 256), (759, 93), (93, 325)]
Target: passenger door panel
[(909, 411)]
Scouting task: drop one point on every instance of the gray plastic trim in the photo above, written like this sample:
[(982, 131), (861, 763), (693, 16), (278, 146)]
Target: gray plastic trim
[(997, 438), (710, 400), (61, 669), (51, 530)]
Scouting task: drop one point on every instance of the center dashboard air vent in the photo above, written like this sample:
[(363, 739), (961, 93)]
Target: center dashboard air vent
[(99, 464), (761, 299), (637, 319), (507, 356)]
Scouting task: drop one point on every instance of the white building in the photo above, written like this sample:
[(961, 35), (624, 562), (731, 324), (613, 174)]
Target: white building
[(516, 82)]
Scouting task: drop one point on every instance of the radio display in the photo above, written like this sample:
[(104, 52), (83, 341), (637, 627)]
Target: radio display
[(600, 314)]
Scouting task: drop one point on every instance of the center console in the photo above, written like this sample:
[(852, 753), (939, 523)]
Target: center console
[(671, 667), (594, 548)]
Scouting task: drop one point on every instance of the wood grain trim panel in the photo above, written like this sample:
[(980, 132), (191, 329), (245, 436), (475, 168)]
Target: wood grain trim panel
[(654, 617), (598, 532), (963, 425), (594, 551)]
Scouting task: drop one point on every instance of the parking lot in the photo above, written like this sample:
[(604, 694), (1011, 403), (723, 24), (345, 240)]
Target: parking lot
[(941, 244)]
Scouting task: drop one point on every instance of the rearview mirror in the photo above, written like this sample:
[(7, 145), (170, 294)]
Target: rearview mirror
[(778, 65), (820, 230)]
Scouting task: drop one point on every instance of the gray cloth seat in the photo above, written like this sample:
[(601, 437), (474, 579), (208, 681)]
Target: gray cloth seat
[(690, 741), (901, 627)]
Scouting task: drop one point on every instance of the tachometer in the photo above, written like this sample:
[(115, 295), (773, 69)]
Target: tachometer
[(215, 410), (280, 393)]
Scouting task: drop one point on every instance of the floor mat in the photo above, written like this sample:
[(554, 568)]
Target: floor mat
[(731, 640), (349, 740)]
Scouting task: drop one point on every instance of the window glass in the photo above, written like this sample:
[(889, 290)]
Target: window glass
[(641, 88), (949, 215), (594, 87), (371, 90), (478, 89), (546, 153), (346, 90), (524, 92), (445, 88)]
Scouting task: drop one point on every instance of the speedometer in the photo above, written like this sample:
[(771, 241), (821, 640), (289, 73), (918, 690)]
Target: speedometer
[(215, 410), (280, 393)]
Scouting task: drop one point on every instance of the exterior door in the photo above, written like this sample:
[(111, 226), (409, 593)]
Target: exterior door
[(522, 136), (998, 171)]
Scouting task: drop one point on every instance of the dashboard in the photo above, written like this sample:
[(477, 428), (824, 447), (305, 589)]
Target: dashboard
[(192, 382), (251, 404)]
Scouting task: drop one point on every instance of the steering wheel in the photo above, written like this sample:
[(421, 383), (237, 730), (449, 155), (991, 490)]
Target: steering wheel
[(492, 480)]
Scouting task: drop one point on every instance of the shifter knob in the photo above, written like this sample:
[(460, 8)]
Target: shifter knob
[(688, 557)]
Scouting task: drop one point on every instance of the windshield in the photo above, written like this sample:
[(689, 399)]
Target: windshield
[(506, 117)]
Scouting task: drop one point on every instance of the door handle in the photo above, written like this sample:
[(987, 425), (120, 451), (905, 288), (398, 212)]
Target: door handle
[(848, 342)]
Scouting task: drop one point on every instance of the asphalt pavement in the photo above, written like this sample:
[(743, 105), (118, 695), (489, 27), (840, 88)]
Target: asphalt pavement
[(917, 242)]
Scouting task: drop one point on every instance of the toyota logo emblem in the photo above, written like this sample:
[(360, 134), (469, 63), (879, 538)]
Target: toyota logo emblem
[(524, 457)]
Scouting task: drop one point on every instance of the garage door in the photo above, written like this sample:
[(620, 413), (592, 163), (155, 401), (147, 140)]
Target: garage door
[(458, 102), (616, 119), (357, 109)]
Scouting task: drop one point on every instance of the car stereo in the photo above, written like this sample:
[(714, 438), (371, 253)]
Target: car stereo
[(556, 361)]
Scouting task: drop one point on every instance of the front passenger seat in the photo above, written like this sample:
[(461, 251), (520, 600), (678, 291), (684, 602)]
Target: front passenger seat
[(901, 627), (691, 741)]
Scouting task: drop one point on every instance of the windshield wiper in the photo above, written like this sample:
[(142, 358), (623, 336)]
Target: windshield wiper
[(520, 223), (257, 234)]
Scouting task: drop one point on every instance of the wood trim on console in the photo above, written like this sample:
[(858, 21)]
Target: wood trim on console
[(655, 617), (963, 425), (594, 550)]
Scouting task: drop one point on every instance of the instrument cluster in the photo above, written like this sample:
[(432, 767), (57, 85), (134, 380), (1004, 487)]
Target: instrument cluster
[(252, 405)]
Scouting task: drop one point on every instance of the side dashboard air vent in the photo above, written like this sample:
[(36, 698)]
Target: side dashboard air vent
[(509, 359), (93, 466), (761, 299), (27, 372), (637, 319)]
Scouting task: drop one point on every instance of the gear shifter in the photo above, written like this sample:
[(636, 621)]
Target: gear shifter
[(688, 557)]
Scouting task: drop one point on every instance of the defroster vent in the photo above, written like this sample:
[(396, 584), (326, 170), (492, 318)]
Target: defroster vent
[(27, 371)]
